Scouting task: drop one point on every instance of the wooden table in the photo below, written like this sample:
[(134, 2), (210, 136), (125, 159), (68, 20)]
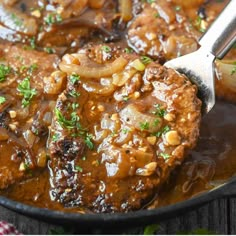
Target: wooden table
[(218, 216)]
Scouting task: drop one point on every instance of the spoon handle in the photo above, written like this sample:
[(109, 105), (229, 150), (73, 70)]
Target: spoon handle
[(221, 35)]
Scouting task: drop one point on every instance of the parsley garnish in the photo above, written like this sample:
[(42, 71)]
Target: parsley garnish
[(32, 43), (164, 130), (74, 78), (26, 91), (2, 99), (159, 111), (78, 168), (234, 69), (74, 94), (88, 141), (52, 19), (49, 50), (32, 68), (17, 21), (55, 137), (177, 8), (128, 50), (106, 49), (164, 155), (125, 131), (4, 71), (144, 125), (146, 60)]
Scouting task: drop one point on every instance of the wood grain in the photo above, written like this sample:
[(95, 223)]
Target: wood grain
[(218, 216)]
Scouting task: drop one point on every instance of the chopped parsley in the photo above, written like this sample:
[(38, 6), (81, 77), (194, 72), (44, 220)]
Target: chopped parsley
[(144, 126), (55, 137), (78, 168), (74, 94), (164, 130), (17, 21), (4, 72), (151, 1), (159, 110), (233, 71), (165, 155), (74, 123), (128, 50), (156, 122), (26, 91), (83, 158), (32, 43), (125, 98), (177, 8), (125, 131), (198, 24), (106, 49), (146, 60), (74, 106), (156, 15), (49, 50), (2, 99), (88, 141), (32, 68), (51, 19), (74, 78)]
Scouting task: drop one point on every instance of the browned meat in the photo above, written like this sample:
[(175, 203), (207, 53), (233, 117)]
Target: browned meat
[(168, 29), (24, 111), (118, 130)]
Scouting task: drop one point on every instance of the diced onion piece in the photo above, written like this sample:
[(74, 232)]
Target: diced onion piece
[(30, 138), (138, 65), (227, 73), (126, 10), (95, 72), (119, 79), (134, 117), (105, 87), (42, 159), (17, 21)]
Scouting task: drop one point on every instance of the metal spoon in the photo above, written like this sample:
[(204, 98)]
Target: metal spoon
[(215, 43)]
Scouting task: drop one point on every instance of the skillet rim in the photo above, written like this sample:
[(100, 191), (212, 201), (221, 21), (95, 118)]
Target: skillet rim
[(134, 218)]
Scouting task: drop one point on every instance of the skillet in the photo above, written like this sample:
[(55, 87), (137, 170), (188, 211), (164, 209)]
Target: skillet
[(136, 218)]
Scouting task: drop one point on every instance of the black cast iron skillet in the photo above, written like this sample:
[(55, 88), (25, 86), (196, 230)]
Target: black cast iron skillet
[(118, 220)]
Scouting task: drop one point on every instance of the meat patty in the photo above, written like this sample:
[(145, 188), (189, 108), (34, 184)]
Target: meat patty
[(120, 127), (24, 111), (164, 30)]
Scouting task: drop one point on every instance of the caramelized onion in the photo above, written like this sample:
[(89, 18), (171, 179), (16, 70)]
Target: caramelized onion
[(88, 72), (126, 10), (227, 73), (134, 117), (17, 21)]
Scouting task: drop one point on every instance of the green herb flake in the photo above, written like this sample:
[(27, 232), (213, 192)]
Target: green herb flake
[(106, 49), (55, 137), (177, 8), (32, 43), (164, 130), (128, 50), (146, 60), (26, 91), (74, 78), (78, 168), (88, 141), (17, 21), (165, 155), (74, 106), (156, 122), (74, 94), (233, 71), (48, 50), (151, 1), (32, 68), (151, 229), (144, 126), (2, 99), (156, 15), (159, 110), (4, 72), (125, 98), (83, 158), (125, 131), (51, 19)]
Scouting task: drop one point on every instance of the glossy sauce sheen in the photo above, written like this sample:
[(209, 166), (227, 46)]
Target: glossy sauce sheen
[(211, 163)]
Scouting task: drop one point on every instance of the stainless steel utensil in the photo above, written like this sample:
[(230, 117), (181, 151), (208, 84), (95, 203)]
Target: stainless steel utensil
[(215, 43)]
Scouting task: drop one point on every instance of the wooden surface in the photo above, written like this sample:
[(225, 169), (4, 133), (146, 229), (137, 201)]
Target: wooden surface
[(218, 216)]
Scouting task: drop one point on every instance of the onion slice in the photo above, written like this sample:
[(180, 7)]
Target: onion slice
[(88, 72)]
